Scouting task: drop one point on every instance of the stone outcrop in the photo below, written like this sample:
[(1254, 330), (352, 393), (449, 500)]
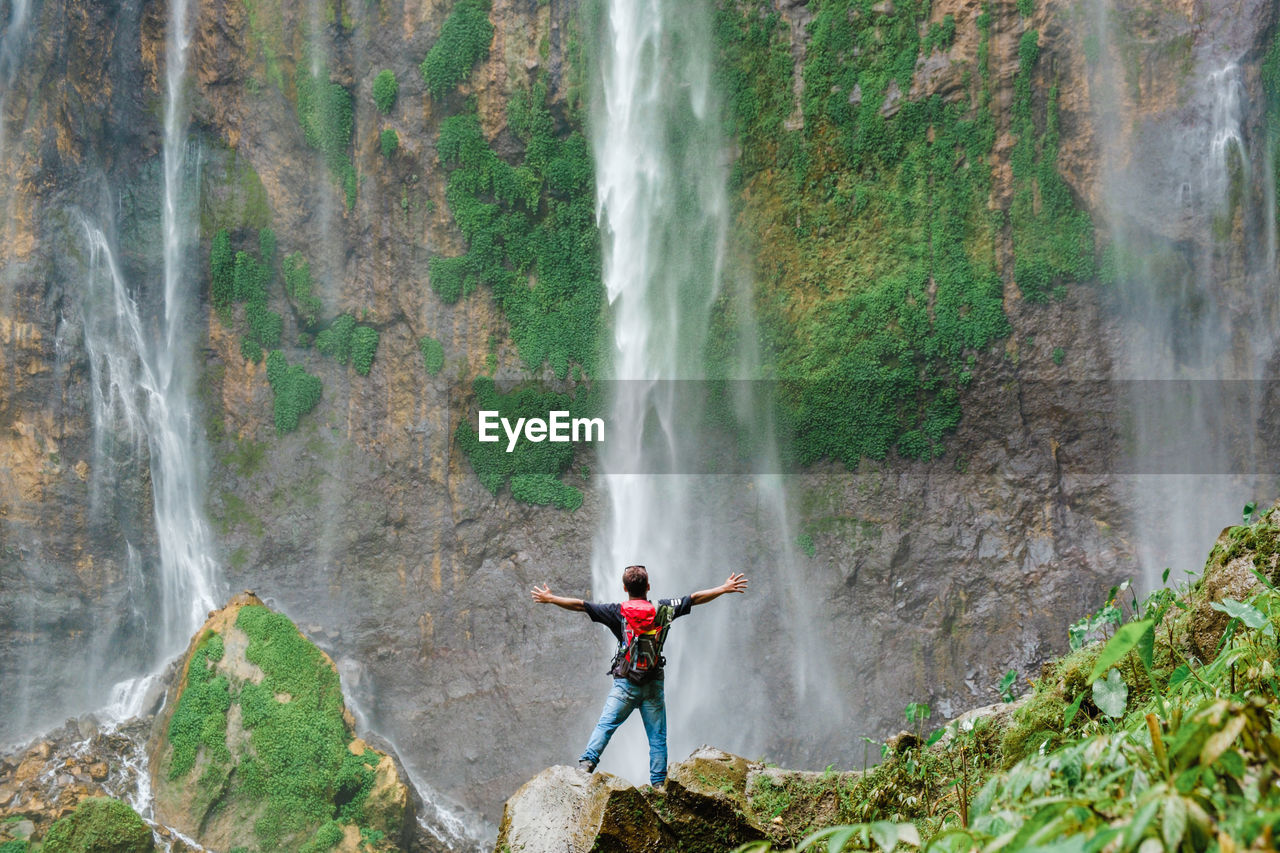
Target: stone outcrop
[(712, 801), (256, 743), (564, 810), (1241, 554)]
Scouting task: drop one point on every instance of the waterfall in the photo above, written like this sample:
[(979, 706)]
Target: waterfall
[(1191, 227), (141, 354), (664, 214)]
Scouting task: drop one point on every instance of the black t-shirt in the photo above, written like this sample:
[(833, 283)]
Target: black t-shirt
[(610, 615)]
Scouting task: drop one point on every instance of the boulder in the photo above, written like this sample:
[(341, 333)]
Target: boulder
[(256, 747), (705, 802), (566, 810), (100, 825)]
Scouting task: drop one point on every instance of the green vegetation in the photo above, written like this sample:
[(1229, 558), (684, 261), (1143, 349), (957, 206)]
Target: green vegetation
[(389, 142), (296, 762), (877, 264), (200, 719), (432, 354), (1059, 355), (245, 278), (300, 765), (464, 41), (16, 845), (533, 468), (385, 90), (1156, 733), (531, 237), (98, 825), (1271, 87), (296, 391), (349, 343), (1052, 238), (530, 230), (545, 490), (325, 113), (221, 275), (298, 287)]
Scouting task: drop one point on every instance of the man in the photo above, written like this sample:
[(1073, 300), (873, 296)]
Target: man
[(627, 620)]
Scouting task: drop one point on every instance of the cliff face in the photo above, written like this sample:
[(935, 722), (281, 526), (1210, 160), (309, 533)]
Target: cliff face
[(367, 524)]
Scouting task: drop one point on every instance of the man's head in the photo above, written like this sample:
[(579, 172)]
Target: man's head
[(636, 581)]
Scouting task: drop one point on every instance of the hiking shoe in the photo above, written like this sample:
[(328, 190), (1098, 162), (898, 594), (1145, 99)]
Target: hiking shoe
[(586, 765)]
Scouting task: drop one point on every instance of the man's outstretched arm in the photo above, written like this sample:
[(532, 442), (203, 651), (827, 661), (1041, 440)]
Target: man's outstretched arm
[(737, 582), (543, 595)]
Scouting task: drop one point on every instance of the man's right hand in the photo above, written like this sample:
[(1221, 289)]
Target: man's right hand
[(544, 595), (737, 582)]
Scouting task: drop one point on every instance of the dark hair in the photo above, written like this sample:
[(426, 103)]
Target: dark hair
[(636, 580)]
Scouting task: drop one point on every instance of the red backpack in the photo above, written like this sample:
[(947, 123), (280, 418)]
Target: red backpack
[(644, 630)]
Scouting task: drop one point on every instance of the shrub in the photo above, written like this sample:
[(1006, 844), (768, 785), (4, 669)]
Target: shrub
[(390, 142), (364, 344), (99, 825), (296, 391), (385, 89), (464, 40), (449, 279), (432, 354), (335, 341)]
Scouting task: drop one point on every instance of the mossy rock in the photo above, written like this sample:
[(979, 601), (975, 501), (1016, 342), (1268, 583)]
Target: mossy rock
[(258, 749), (99, 825), (1229, 572)]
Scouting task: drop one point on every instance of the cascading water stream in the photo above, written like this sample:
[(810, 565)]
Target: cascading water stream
[(1191, 221), (663, 208)]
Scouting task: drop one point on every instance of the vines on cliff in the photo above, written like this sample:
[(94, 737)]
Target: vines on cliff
[(246, 277), (532, 240), (878, 268)]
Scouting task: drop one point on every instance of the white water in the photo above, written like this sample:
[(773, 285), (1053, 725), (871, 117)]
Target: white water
[(1193, 217), (662, 204)]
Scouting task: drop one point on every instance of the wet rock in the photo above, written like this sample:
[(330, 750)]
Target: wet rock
[(564, 810)]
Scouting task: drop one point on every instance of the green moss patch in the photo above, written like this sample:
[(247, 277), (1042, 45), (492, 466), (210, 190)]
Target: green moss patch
[(878, 279), (285, 766), (531, 233), (97, 825)]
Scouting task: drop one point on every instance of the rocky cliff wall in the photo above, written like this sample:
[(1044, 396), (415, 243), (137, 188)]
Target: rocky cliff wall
[(367, 525)]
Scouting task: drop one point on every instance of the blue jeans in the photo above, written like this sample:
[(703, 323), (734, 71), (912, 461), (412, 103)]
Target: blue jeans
[(624, 698)]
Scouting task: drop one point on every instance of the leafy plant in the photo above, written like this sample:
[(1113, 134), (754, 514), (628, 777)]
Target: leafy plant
[(389, 142), (1006, 685), (464, 41), (296, 392), (325, 113), (385, 90)]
